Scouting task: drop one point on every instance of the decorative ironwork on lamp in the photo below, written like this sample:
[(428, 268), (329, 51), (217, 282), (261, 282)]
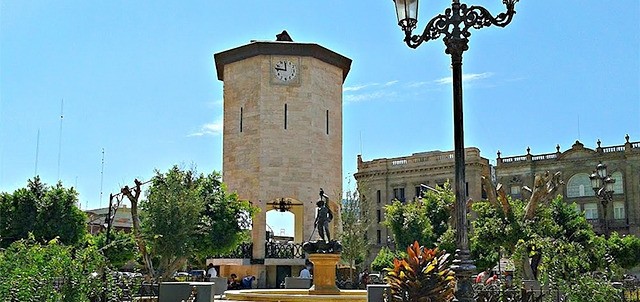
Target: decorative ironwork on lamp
[(602, 185), (282, 205)]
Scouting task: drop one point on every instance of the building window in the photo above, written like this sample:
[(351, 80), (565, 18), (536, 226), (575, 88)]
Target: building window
[(285, 116), (327, 120), (379, 216), (418, 192), (398, 193), (618, 186), (576, 207), (378, 196), (515, 190), (579, 185), (591, 210), (618, 210), (484, 192), (466, 189), (379, 236), (241, 115)]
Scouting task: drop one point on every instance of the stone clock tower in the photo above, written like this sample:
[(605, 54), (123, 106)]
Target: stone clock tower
[(282, 134)]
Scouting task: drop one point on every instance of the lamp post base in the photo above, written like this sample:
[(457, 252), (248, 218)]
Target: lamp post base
[(464, 268)]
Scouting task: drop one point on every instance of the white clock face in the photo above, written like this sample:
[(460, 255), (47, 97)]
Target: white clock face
[(285, 70)]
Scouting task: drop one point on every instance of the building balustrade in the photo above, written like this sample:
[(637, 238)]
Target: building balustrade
[(280, 250), (273, 249), (613, 149), (243, 251), (417, 158), (627, 147)]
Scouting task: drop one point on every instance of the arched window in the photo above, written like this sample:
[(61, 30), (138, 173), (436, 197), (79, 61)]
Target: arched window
[(618, 186), (579, 185)]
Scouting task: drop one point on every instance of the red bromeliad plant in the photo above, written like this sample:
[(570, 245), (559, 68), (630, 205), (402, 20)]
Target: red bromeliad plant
[(423, 276)]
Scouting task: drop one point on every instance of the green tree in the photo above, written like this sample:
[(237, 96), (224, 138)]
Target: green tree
[(424, 219), (189, 214), (47, 212), (354, 213), (121, 248), (385, 257), (559, 242), (624, 249)]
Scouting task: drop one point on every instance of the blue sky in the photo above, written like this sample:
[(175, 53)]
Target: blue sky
[(138, 79)]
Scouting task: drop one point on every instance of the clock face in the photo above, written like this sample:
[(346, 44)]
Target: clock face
[(285, 70)]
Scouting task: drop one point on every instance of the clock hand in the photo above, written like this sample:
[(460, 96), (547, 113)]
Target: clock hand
[(285, 66)]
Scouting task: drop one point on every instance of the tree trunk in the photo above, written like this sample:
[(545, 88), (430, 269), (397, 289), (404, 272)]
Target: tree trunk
[(133, 197)]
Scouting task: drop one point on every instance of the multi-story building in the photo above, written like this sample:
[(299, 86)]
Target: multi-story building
[(383, 180), (96, 220), (576, 165)]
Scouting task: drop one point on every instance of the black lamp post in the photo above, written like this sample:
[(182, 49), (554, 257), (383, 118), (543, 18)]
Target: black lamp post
[(602, 185), (454, 25)]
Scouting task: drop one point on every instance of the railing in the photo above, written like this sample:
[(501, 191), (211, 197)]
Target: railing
[(513, 159), (628, 291), (613, 149), (243, 251), (279, 250), (416, 158), (549, 156), (631, 290), (399, 162), (496, 293), (545, 156)]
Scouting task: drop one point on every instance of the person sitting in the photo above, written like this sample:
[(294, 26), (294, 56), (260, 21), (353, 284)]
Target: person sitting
[(482, 276), (211, 272), (493, 278), (305, 273), (247, 282), (233, 283)]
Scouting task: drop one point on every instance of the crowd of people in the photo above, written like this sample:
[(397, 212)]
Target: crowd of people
[(489, 277), (233, 282)]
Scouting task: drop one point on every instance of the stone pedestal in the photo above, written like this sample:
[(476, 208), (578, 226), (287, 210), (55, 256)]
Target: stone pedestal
[(324, 274)]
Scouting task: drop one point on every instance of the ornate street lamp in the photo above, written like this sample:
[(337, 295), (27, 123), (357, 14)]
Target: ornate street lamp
[(454, 25), (602, 185), (282, 205)]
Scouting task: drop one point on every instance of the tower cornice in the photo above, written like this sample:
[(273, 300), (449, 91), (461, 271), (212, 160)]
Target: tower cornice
[(257, 48)]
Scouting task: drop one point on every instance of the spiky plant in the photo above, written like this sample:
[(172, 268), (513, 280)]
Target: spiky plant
[(423, 276)]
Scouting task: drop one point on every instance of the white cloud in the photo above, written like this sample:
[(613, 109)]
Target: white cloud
[(354, 98), (359, 87), (390, 83), (469, 77), (417, 84), (212, 129)]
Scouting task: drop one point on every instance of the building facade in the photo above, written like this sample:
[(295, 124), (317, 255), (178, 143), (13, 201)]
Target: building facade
[(282, 142), (381, 181), (576, 165)]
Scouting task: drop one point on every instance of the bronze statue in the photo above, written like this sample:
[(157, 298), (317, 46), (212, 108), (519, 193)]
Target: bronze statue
[(323, 217)]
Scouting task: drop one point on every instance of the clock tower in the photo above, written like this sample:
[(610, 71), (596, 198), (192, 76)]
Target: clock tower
[(282, 135)]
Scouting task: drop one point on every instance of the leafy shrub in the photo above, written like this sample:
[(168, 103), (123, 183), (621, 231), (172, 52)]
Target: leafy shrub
[(31, 271), (423, 276)]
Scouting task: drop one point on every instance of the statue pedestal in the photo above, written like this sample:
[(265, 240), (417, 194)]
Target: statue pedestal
[(324, 274)]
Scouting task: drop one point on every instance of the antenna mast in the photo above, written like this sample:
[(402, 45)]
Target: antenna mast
[(101, 177), (60, 136), (37, 151)]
